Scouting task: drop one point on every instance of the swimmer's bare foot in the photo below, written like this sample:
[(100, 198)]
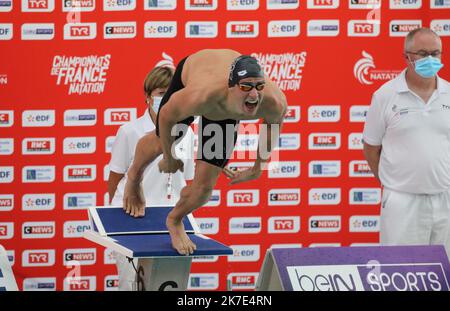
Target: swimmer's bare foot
[(133, 199), (179, 237)]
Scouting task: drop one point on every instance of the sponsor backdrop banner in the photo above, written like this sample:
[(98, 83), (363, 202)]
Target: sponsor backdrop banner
[(71, 73)]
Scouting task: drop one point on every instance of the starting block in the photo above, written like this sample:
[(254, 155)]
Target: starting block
[(160, 267)]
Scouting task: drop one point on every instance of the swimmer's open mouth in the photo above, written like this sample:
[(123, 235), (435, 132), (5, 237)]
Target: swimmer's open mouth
[(251, 104)]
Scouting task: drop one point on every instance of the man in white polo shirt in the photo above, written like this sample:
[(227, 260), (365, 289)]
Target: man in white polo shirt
[(158, 188), (407, 145)]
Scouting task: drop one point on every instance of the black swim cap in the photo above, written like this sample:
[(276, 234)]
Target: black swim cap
[(245, 66)]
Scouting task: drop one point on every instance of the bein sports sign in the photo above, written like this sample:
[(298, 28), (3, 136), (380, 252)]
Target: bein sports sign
[(391, 268)]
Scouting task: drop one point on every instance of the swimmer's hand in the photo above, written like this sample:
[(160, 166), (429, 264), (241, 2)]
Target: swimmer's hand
[(244, 175), (133, 199), (170, 165)]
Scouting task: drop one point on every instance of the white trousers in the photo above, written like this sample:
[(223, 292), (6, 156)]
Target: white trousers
[(415, 219), (126, 272)]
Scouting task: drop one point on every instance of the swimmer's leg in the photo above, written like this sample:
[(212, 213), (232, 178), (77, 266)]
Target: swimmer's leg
[(192, 197)]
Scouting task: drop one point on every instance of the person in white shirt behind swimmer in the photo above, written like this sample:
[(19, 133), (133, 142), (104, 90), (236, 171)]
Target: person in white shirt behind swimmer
[(158, 188), (407, 146)]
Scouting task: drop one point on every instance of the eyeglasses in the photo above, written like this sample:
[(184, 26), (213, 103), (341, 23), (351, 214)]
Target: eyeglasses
[(423, 53), (248, 86)]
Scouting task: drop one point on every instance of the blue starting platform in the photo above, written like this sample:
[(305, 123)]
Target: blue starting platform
[(145, 236), (159, 266)]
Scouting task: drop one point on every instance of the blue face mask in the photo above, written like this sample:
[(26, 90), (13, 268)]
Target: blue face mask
[(156, 103), (428, 67)]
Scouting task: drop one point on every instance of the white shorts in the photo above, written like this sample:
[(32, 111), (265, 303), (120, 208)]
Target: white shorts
[(415, 219)]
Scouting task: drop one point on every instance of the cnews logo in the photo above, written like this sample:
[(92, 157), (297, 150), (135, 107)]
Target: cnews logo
[(111, 282), (78, 5), (284, 197), (38, 230), (285, 28), (247, 29), (117, 116), (6, 202), (164, 29), (6, 118), (365, 4), (85, 256), (119, 30), (325, 224), (38, 258), (400, 28)]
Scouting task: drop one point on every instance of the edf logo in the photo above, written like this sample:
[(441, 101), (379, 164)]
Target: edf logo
[(6, 174), (324, 113)]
